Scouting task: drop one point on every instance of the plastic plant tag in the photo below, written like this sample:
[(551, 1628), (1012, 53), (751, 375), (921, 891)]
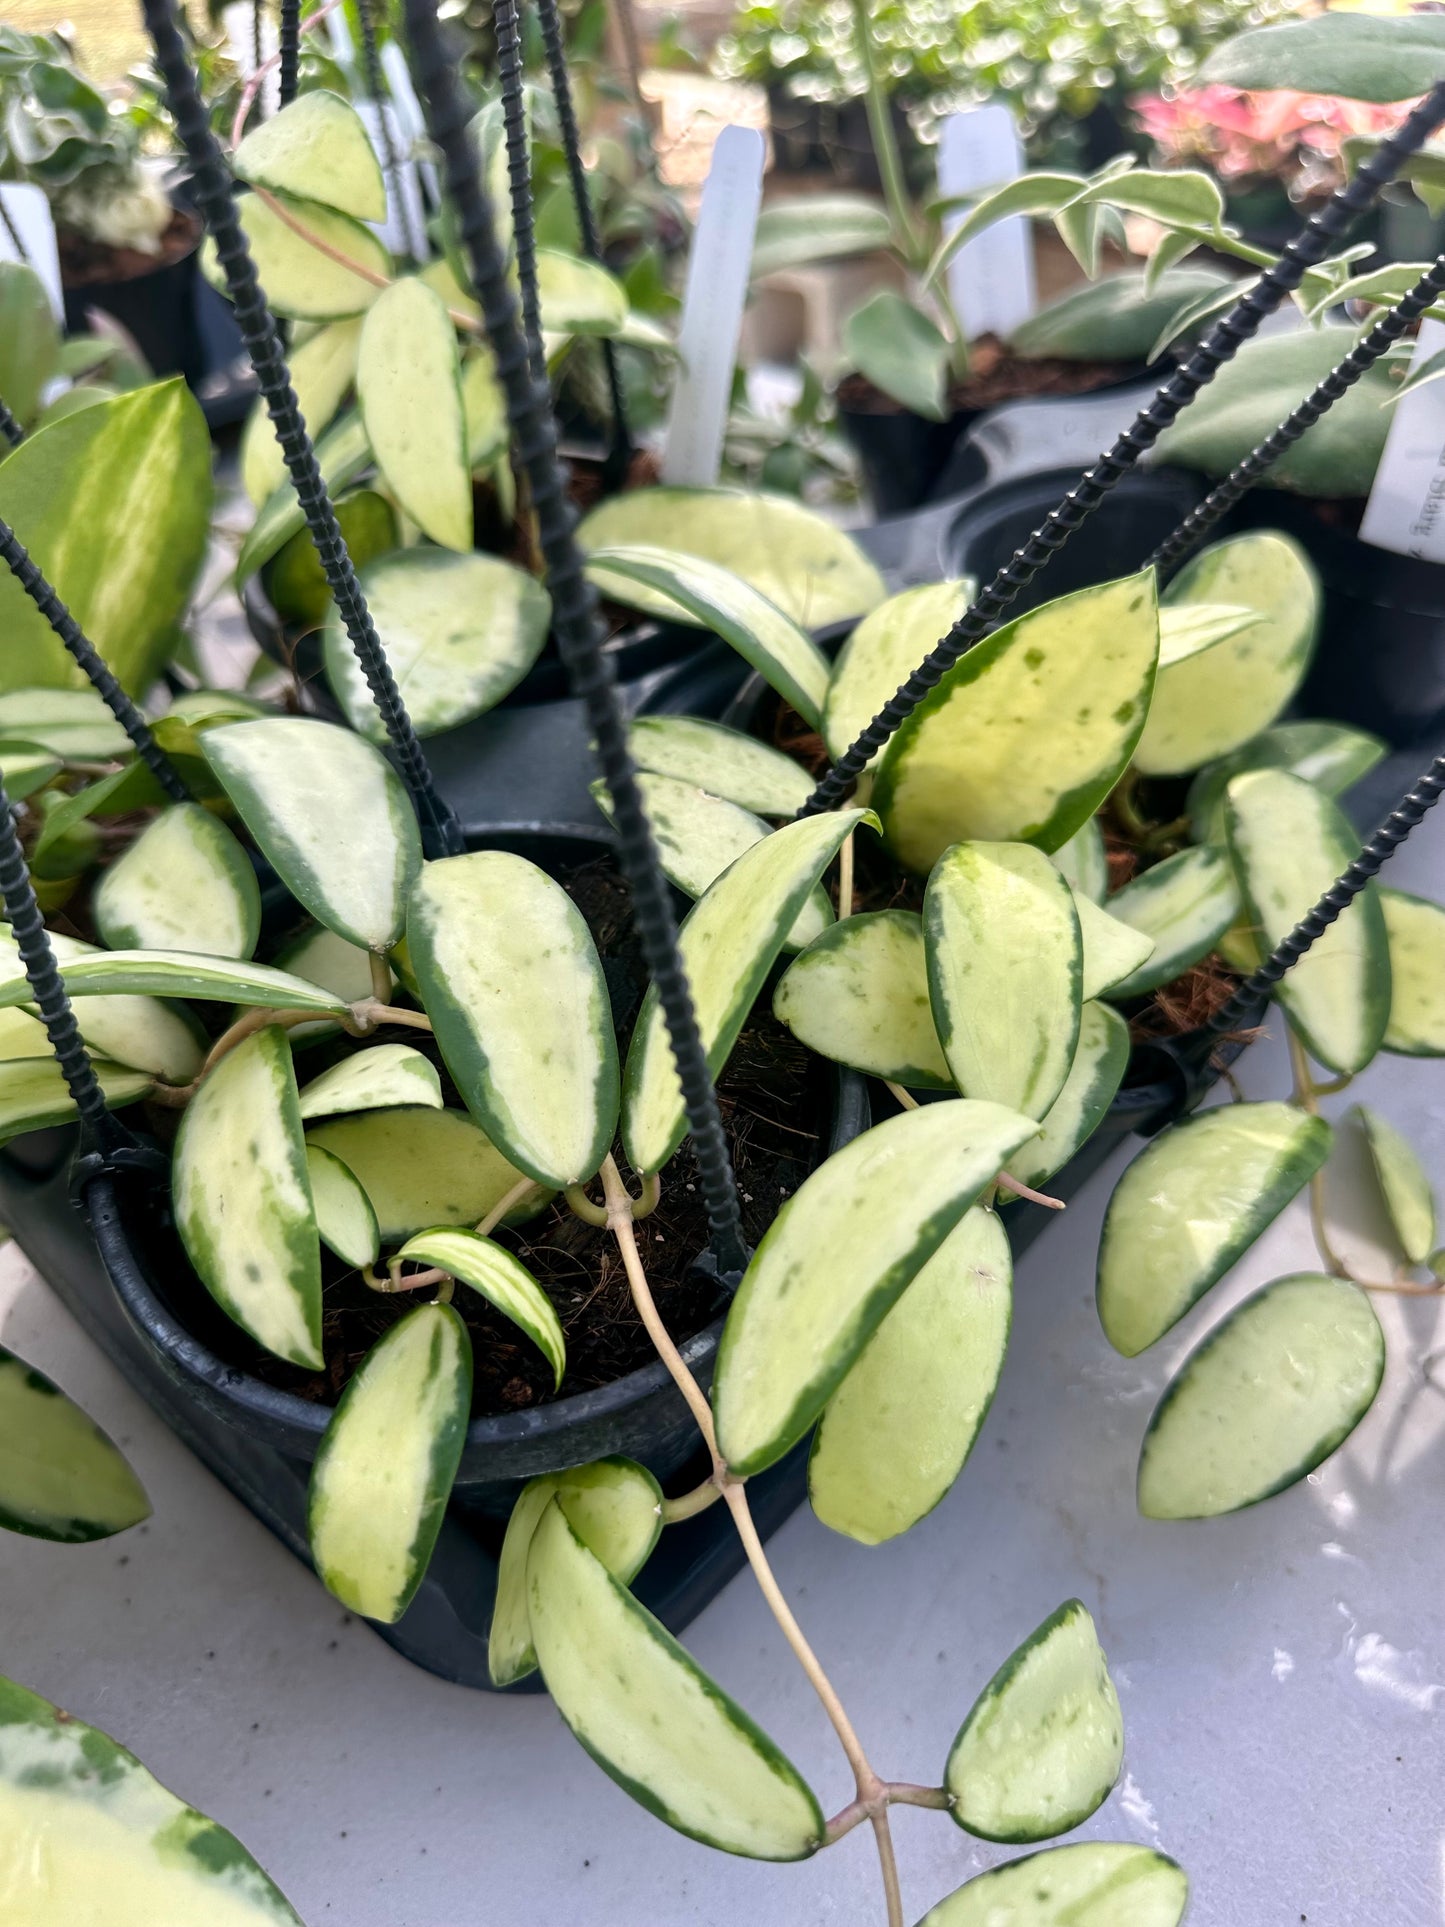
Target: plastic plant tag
[(1406, 509), (991, 278), (29, 213), (405, 214)]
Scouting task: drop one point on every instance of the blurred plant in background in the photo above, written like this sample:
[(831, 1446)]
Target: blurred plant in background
[(1289, 137)]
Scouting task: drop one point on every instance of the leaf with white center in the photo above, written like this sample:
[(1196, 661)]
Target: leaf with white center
[(722, 761), (91, 1837), (859, 995), (184, 884), (331, 962), (883, 651), (1187, 628), (898, 1431), (380, 1078), (243, 1198), (1185, 905), (409, 384), (1100, 1061), (763, 635), (22, 1036), (300, 281), (1404, 1186), (792, 555), (344, 1217), (26, 769), (60, 1476), (180, 973), (34, 1095), (1330, 755), (1096, 1883), (384, 1469), (142, 1033), (1416, 931), (1210, 703), (699, 835), (341, 454), (1044, 1743), (332, 817), (650, 1717), (1005, 972), (423, 1168), (1288, 843), (578, 297), (460, 632), (512, 982), (836, 1259), (1191, 1204), (484, 404), (615, 1508), (1264, 1399), (504, 1281), (1083, 862), (1024, 738), (1113, 950), (318, 149), (73, 724), (322, 370), (729, 941)]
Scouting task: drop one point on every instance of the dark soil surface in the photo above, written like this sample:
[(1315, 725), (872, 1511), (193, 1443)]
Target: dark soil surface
[(83, 262)]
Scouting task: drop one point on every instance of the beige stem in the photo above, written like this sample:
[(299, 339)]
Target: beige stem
[(243, 1027), (1006, 1183), (504, 1204), (370, 1014), (691, 1503), (380, 977), (888, 1862), (845, 878), (253, 85)]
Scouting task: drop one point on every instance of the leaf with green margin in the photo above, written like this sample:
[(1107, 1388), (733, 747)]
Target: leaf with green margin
[(1185, 905), (383, 1077), (114, 507), (330, 814), (184, 884), (859, 995), (837, 1258), (301, 282), (34, 1094), (73, 724), (62, 814), (1353, 55), (322, 370), (895, 346), (728, 942), (899, 1429), (1404, 1186), (345, 1220), (385, 1466), (1113, 949), (1005, 972), (1094, 1883), (1043, 1744), (1332, 756), (650, 1717), (409, 386), (242, 1198), (512, 982), (502, 1279), (422, 1168), (1263, 1399), (61, 1478), (817, 227), (577, 296), (315, 149), (29, 340), (331, 962), (1180, 197), (1187, 629), (141, 1033), (1191, 1204), (1117, 318), (341, 454), (1027, 734), (179, 973), (723, 761), (763, 635), (484, 406), (1288, 843), (1083, 863), (1100, 1061), (883, 651), (1036, 193), (1415, 928)]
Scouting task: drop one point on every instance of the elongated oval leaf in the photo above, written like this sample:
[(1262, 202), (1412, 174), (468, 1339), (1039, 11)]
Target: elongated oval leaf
[(421, 1168), (648, 1714), (883, 651), (26, 769), (1416, 932), (60, 1476), (1027, 734), (836, 1259), (729, 942), (73, 724), (859, 995), (345, 1220), (1332, 756), (1043, 1745), (380, 1078), (1096, 1883), (894, 345), (384, 1470), (722, 761), (1188, 628), (1005, 972), (1100, 1061), (34, 1095), (1267, 1396), (577, 296), (317, 149), (243, 1198), (1117, 318), (501, 1279), (1356, 55), (184, 884), (1185, 905), (140, 1032), (322, 370), (1404, 1186), (1289, 842), (1113, 950), (409, 384), (1083, 862), (29, 338), (300, 281), (817, 227), (341, 454), (898, 1431), (179, 973), (331, 815), (1191, 1204), (1040, 192)]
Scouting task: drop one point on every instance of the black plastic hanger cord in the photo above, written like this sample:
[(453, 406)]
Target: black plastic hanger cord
[(1257, 464), (576, 624), (85, 653), (9, 427), (1236, 327), (289, 46), (507, 26), (441, 834)]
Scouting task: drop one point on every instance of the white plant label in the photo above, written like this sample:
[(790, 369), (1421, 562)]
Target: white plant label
[(991, 278), (712, 308), (29, 215), (239, 21), (408, 111), (1406, 509), (404, 229)]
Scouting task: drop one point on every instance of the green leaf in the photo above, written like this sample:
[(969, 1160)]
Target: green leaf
[(1081, 229), (331, 816), (29, 340), (883, 651), (341, 453), (184, 884), (577, 296), (300, 281), (722, 761), (1005, 971), (894, 345), (1332, 756), (1188, 320), (504, 1281), (384, 1077), (243, 1198), (316, 149), (345, 1220), (1113, 950), (331, 963), (1191, 1204), (1357, 55), (73, 724), (1100, 1061), (837, 1258), (60, 1476), (1289, 842), (178, 973), (1040, 193), (1182, 197), (728, 942), (859, 995), (650, 1717), (810, 569), (322, 370), (409, 385), (141, 1033), (114, 507), (92, 1835), (1211, 703), (384, 1469), (1083, 863), (1416, 933), (460, 632), (1188, 628), (762, 633), (26, 769), (1095, 1883), (1169, 250), (1404, 1186), (511, 980), (1117, 318), (1424, 170), (817, 227), (1184, 905), (898, 1431), (1263, 1400), (422, 1168), (1044, 1743), (1027, 734)]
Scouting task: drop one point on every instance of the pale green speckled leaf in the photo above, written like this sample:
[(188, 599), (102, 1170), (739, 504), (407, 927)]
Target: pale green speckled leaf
[(1186, 904), (1416, 930), (1113, 950), (344, 1217), (722, 761), (409, 385), (859, 995), (883, 651), (423, 1168), (60, 1476), (300, 281), (502, 1279), (316, 148), (1404, 1185), (184, 884), (322, 370), (382, 1077), (1096, 1883), (1100, 1061)]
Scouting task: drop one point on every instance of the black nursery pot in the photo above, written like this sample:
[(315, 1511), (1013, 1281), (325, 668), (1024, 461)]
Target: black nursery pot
[(903, 455), (157, 309)]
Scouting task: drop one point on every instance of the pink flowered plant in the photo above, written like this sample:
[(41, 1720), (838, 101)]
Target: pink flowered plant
[(1289, 137)]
